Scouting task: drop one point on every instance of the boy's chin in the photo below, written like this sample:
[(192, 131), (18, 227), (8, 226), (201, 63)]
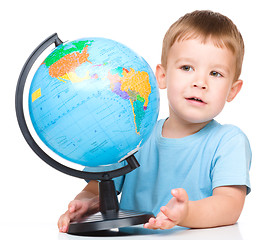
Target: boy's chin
[(193, 117), (198, 120)]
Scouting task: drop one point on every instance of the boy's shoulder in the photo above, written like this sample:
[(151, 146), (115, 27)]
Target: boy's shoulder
[(228, 129), (227, 132), (213, 132)]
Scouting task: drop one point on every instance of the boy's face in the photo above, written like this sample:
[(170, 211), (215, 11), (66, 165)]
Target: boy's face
[(199, 80)]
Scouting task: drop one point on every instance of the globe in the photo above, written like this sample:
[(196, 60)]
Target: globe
[(93, 101)]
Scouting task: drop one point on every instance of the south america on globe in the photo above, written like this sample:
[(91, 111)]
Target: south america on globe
[(93, 101)]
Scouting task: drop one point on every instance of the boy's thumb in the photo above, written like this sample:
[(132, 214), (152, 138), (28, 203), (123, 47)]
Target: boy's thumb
[(180, 194)]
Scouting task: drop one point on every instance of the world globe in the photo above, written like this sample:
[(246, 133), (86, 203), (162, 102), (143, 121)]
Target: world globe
[(93, 101)]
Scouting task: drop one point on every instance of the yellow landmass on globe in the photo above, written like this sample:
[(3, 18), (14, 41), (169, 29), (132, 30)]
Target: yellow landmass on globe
[(36, 94), (73, 77), (132, 85), (138, 82)]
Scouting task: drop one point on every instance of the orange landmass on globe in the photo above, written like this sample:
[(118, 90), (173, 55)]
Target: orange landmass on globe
[(134, 86), (64, 68), (137, 82)]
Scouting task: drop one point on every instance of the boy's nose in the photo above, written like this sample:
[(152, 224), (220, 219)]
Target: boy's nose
[(200, 84)]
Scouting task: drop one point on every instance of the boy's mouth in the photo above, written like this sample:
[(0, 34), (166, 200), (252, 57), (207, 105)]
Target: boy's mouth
[(195, 99)]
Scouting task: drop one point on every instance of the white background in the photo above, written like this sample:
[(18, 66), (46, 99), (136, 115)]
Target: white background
[(34, 193)]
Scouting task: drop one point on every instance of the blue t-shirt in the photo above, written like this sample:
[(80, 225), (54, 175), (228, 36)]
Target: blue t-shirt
[(217, 155)]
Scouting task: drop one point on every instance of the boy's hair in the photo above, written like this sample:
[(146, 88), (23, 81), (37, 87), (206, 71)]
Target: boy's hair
[(206, 24)]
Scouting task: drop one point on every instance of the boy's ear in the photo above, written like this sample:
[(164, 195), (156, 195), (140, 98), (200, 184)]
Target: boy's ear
[(160, 76), (235, 89)]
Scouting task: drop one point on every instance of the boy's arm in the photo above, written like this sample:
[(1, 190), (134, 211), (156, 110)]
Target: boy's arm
[(222, 208), (91, 189)]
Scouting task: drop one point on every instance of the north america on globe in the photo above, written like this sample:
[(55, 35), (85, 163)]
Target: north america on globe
[(86, 95)]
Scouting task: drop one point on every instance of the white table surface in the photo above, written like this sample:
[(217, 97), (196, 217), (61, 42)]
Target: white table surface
[(239, 231)]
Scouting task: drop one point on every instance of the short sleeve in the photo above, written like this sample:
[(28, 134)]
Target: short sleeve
[(232, 161)]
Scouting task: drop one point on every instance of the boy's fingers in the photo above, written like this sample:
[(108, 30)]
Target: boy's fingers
[(151, 224), (78, 214), (71, 209), (74, 206), (172, 215), (166, 224), (64, 222), (159, 224), (152, 221), (64, 229)]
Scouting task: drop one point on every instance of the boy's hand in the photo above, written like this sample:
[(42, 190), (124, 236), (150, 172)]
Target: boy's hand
[(173, 213), (76, 210)]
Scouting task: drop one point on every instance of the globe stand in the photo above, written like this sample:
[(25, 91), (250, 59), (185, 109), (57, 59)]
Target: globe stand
[(109, 215)]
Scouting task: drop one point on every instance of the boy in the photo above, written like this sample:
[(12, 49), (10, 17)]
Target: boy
[(203, 164)]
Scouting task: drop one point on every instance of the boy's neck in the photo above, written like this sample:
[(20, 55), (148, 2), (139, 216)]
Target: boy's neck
[(177, 129)]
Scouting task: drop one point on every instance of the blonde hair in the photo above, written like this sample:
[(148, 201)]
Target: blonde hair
[(206, 25)]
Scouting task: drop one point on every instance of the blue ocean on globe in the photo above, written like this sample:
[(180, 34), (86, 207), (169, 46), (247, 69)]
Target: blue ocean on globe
[(93, 101)]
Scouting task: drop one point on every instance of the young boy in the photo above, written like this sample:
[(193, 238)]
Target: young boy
[(203, 164)]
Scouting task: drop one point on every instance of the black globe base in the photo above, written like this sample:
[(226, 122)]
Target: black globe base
[(101, 222), (109, 215)]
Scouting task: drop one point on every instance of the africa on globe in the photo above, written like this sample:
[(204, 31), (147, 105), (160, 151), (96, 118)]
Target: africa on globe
[(93, 101)]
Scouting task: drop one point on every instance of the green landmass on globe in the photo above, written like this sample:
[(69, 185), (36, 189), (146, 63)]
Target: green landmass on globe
[(84, 85)]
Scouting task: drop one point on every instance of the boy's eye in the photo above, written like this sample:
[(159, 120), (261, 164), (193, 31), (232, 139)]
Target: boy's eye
[(215, 74), (187, 68)]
